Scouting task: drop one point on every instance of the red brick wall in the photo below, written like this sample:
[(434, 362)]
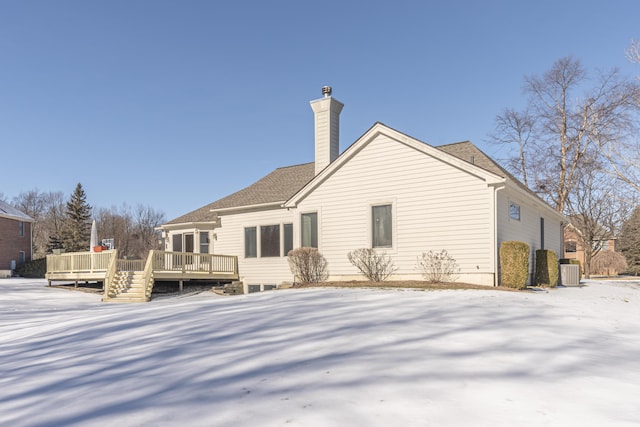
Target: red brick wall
[(11, 243)]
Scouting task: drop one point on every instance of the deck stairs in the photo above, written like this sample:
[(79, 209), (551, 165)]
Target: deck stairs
[(127, 286)]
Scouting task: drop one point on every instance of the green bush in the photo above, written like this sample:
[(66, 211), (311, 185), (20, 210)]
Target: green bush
[(547, 269), (35, 269), (514, 263)]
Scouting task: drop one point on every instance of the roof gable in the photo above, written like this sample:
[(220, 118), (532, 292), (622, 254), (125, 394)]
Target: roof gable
[(8, 211), (377, 129)]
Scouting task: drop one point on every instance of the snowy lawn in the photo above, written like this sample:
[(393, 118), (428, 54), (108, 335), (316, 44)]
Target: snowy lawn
[(322, 357)]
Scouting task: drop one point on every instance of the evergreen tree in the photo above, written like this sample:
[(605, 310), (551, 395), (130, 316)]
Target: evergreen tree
[(76, 233), (629, 241), (54, 243)]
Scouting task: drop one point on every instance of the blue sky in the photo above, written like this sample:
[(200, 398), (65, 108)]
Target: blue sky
[(175, 104)]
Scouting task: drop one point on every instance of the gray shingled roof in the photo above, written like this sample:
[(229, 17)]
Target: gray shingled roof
[(278, 186), (467, 151), (470, 153), (283, 183), (8, 211)]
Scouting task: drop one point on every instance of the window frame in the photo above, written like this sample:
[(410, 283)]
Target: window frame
[(317, 232), (391, 226), (514, 211), (274, 249), (287, 238), (251, 251)]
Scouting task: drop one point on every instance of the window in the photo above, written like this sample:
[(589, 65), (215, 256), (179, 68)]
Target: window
[(177, 242), (309, 230), (270, 240), (514, 211), (204, 242), (288, 238), (21, 228), (570, 246), (21, 258), (381, 226), (250, 246)]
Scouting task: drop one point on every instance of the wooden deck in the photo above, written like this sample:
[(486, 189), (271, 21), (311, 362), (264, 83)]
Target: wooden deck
[(135, 278)]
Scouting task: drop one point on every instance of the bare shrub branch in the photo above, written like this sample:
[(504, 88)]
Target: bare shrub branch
[(308, 265), (438, 266), (374, 266)]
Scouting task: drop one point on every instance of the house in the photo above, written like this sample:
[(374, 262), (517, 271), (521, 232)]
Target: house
[(15, 239), (387, 191), (604, 246)]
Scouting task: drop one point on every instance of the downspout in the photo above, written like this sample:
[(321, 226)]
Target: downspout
[(496, 257)]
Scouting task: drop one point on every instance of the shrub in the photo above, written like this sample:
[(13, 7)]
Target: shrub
[(514, 262), (308, 265), (33, 269), (547, 269), (438, 266), (608, 263), (374, 266)]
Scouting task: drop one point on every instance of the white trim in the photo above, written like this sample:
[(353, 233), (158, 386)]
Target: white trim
[(394, 221), (380, 129)]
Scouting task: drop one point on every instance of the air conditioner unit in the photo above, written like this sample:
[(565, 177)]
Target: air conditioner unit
[(570, 275)]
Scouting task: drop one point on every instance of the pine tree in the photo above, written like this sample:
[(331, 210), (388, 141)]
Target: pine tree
[(76, 233), (54, 243), (629, 241)]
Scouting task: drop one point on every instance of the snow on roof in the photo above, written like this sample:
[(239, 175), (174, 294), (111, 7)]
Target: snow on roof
[(8, 211)]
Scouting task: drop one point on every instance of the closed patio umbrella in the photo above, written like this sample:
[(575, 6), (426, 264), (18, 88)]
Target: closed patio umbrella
[(94, 236)]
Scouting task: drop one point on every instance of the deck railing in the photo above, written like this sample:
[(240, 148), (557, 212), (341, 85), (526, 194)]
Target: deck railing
[(79, 262), (107, 262), (193, 262), (131, 264)]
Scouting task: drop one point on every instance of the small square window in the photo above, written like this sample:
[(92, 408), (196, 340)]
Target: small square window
[(514, 211)]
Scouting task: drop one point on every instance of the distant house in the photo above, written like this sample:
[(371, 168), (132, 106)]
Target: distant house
[(387, 191), (574, 249), (15, 239)]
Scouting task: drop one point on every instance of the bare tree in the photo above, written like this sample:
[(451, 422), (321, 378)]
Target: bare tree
[(573, 118), (513, 127), (597, 208), (133, 229), (47, 209)]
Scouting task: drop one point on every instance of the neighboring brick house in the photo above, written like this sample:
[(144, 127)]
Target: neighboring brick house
[(573, 248), (15, 239)]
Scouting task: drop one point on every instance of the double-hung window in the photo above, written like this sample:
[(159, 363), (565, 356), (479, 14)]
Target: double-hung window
[(250, 242), (381, 226), (309, 230), (270, 241)]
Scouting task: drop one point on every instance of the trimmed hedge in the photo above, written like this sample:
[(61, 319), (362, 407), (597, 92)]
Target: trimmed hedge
[(35, 269), (514, 263), (547, 269)]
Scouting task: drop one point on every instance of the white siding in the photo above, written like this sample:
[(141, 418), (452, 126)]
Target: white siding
[(435, 206), (527, 229), (230, 241)]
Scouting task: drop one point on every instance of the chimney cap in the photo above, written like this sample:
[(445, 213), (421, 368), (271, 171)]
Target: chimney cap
[(326, 91)]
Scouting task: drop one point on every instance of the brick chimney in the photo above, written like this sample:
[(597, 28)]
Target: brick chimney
[(326, 111)]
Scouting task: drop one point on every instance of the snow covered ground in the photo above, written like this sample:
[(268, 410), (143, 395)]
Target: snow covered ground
[(322, 357)]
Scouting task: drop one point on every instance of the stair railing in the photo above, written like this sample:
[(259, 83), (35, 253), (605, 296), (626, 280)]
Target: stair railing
[(111, 273), (148, 275)]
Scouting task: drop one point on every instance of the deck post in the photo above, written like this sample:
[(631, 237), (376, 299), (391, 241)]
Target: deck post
[(180, 285)]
